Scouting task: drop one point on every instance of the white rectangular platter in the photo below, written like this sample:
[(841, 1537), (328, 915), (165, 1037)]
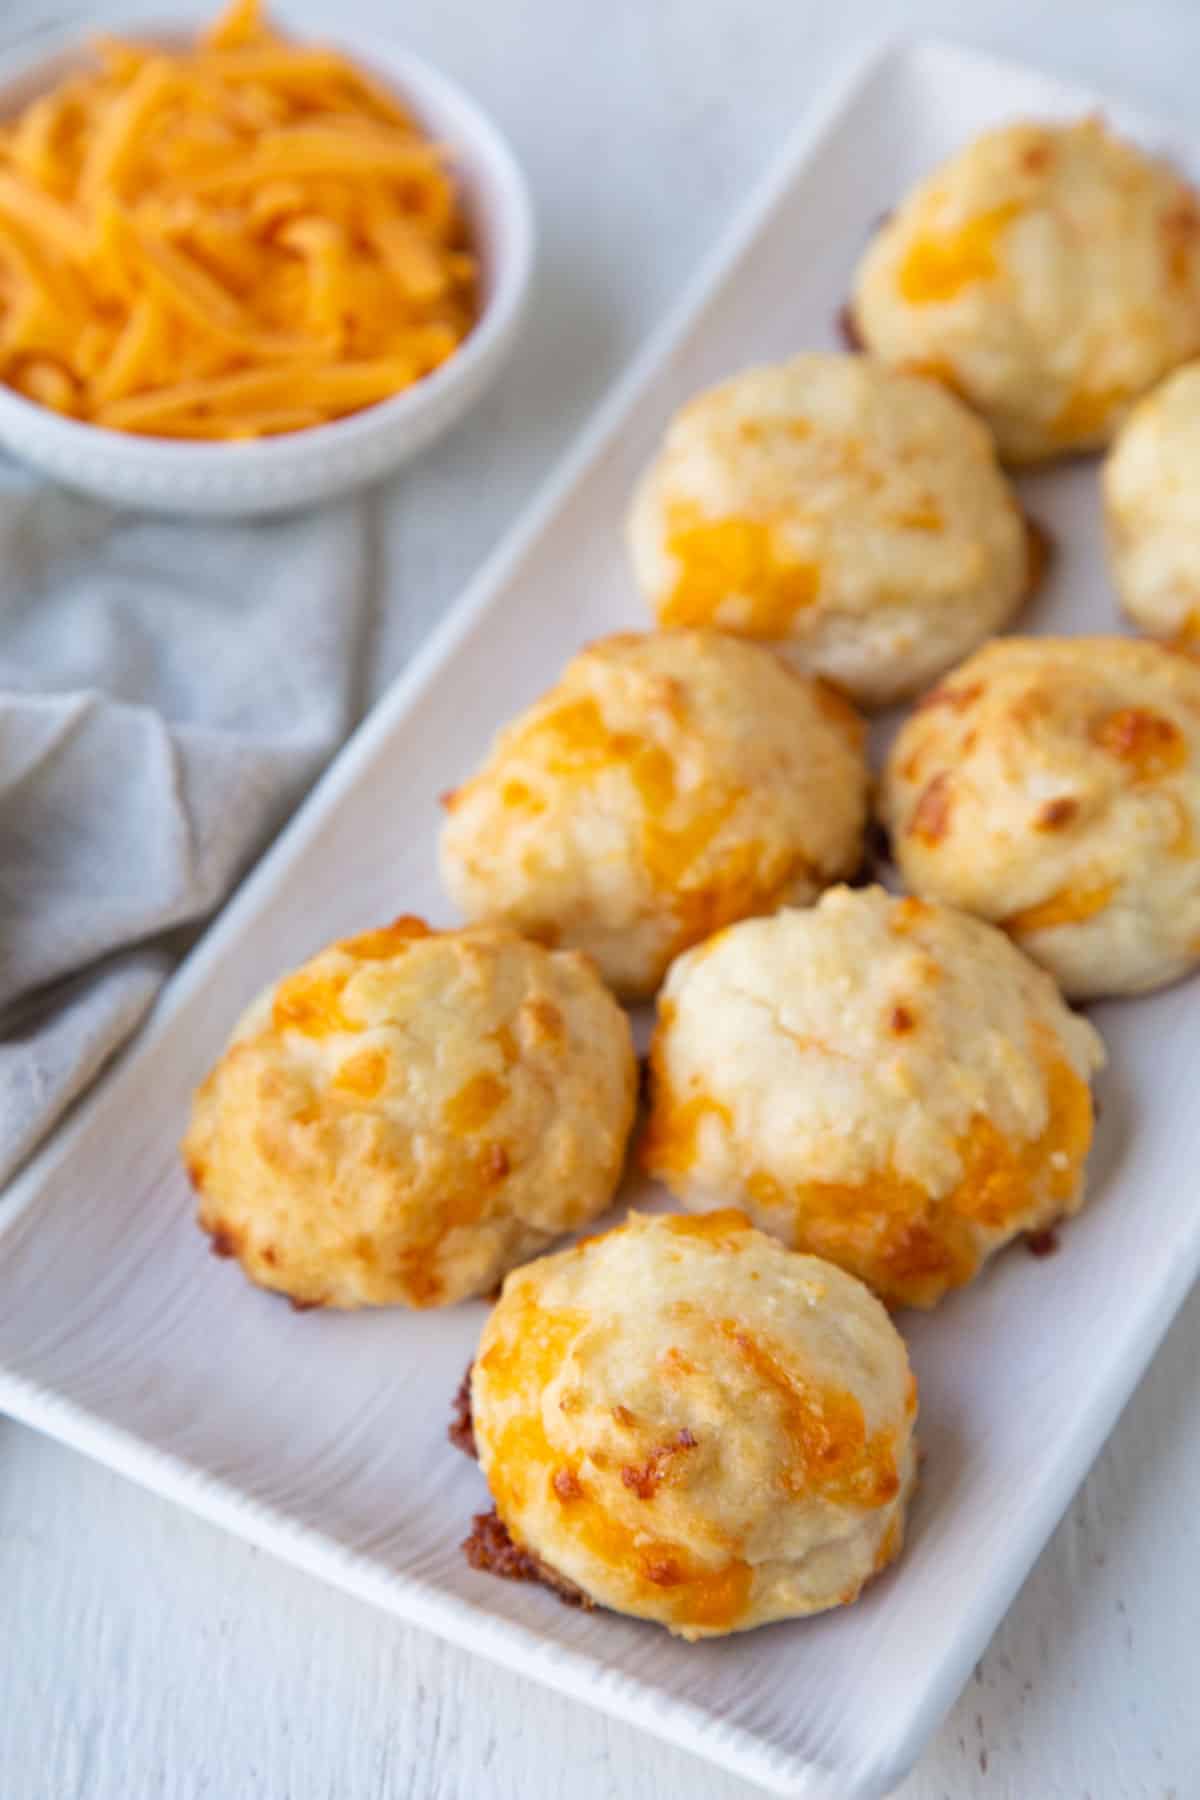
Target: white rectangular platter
[(323, 1437)]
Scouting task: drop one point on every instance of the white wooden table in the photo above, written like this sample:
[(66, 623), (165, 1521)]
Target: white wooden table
[(143, 1654)]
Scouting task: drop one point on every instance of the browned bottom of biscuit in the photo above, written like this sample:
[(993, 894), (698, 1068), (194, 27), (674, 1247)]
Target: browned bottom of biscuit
[(1041, 554), (847, 328), (491, 1549), (461, 1429), (876, 857)]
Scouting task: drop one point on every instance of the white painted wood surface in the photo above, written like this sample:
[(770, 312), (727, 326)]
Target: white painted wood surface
[(145, 1654)]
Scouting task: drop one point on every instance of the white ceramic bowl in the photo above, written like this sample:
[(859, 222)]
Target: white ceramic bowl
[(277, 474)]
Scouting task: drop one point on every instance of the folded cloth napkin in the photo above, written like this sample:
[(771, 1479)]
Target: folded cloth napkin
[(168, 691)]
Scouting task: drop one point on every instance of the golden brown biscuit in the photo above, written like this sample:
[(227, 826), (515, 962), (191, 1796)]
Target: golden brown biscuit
[(886, 1083), (668, 784), (411, 1113), (1050, 274), (692, 1424), (1053, 785), (851, 515)]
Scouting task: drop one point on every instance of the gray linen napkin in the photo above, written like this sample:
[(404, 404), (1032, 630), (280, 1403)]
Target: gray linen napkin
[(168, 691)]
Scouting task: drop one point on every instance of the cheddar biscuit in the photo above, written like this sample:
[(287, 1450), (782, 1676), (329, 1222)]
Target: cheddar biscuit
[(852, 515), (689, 1423), (668, 784), (882, 1082), (1053, 785), (407, 1116), (1151, 489), (1050, 274)]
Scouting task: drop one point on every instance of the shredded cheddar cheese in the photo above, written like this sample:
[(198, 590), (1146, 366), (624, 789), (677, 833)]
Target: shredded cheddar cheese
[(235, 240), (1069, 906), (938, 268), (735, 558)]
